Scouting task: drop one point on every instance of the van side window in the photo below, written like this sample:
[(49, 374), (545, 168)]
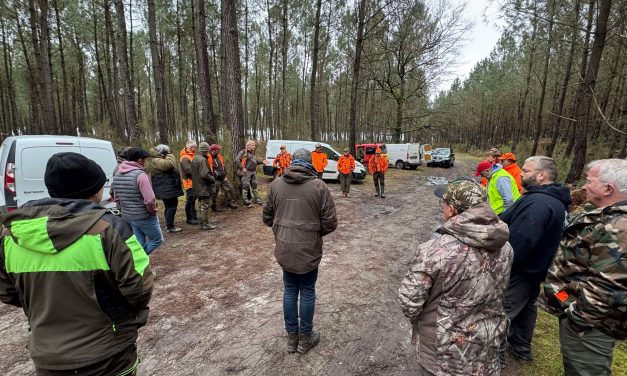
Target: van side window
[(330, 153), (360, 153), (369, 150)]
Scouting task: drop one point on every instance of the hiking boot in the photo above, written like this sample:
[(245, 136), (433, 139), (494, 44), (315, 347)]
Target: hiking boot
[(308, 341), (292, 342), (174, 229), (208, 226), (232, 205), (192, 222)]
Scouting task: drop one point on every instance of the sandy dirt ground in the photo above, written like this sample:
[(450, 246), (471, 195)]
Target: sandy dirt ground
[(217, 303)]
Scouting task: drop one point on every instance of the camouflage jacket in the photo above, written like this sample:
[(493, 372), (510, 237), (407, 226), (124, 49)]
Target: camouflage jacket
[(588, 278), (453, 294)]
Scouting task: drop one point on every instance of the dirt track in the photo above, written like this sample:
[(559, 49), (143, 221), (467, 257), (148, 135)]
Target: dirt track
[(217, 304)]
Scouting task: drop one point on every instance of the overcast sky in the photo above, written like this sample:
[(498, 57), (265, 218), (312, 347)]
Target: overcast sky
[(480, 40)]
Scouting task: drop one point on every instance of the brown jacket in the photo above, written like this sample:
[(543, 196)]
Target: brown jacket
[(300, 210), (202, 177)]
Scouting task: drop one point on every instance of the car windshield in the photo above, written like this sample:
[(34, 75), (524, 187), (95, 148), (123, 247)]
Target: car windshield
[(441, 151)]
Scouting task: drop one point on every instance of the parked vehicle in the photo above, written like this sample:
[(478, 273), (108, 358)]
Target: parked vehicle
[(442, 157), (330, 172), (23, 162), (399, 155)]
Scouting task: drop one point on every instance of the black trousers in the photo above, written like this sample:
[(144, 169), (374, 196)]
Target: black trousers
[(520, 307), (190, 205), (170, 211)]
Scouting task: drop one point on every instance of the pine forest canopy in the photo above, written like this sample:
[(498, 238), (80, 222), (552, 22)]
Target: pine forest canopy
[(151, 71)]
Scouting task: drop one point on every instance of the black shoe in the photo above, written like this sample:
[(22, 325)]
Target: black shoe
[(292, 342), (524, 356), (307, 342), (192, 222)]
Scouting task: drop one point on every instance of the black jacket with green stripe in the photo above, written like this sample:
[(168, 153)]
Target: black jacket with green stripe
[(81, 277)]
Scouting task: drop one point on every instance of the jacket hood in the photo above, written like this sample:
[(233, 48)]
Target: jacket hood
[(128, 166), (50, 225), (478, 227), (558, 191), (298, 175)]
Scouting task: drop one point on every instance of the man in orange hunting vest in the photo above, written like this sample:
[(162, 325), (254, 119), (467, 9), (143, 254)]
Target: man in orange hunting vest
[(282, 160), (319, 160), (216, 165), (377, 166), (345, 166), (187, 154)]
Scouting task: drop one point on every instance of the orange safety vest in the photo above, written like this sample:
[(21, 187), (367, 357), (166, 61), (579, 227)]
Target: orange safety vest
[(210, 161), (515, 171), (346, 164), (319, 160), (281, 162), (378, 163), (187, 183)]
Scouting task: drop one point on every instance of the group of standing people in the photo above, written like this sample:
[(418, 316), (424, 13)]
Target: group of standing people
[(471, 291)]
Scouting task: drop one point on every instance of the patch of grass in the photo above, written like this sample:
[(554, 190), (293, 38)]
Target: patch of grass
[(546, 350)]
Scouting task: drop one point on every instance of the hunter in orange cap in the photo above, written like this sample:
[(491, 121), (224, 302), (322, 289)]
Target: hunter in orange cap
[(508, 160), (378, 165)]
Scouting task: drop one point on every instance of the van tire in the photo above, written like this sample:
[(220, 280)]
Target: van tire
[(400, 165)]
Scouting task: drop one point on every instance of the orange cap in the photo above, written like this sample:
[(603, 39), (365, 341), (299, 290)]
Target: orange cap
[(509, 156)]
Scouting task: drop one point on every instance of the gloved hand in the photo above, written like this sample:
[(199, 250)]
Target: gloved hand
[(211, 179)]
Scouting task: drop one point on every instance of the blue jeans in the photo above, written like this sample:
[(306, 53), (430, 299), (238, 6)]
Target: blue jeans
[(147, 228), (305, 285)]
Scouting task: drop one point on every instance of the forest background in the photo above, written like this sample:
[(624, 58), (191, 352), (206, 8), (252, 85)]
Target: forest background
[(343, 71)]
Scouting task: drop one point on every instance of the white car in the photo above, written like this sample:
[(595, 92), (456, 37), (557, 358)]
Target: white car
[(23, 162), (330, 172)]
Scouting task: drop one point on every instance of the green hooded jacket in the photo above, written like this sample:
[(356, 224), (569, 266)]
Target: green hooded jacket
[(81, 277)]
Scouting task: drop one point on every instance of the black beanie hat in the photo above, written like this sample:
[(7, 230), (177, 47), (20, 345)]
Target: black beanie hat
[(72, 175)]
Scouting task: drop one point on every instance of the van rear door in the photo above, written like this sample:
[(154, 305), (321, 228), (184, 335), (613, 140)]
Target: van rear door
[(426, 152), (102, 153), (30, 166)]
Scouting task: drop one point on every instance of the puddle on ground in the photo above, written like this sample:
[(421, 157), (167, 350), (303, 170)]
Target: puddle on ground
[(436, 180)]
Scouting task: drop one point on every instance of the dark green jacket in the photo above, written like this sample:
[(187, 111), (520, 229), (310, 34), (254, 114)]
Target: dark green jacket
[(81, 277)]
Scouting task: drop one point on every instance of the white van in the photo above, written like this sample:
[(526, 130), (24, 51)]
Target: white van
[(273, 147), (23, 162), (408, 155)]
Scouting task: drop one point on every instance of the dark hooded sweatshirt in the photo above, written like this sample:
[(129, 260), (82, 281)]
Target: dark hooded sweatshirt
[(81, 277), (536, 222), (300, 210)]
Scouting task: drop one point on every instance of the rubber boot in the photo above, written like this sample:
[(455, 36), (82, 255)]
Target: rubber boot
[(231, 204), (257, 200), (377, 188), (245, 197), (382, 191)]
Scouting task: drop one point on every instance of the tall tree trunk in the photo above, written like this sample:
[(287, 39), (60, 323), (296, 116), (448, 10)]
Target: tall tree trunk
[(44, 66), (64, 117), (157, 73), (202, 68), (532, 53), (113, 78), (127, 87), (582, 69), (547, 58), (585, 91), (269, 108), (8, 71), (562, 98), (359, 46), (233, 75), (313, 95), (284, 114)]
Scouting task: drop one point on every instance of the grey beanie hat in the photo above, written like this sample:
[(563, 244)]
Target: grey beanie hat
[(203, 147), (302, 154)]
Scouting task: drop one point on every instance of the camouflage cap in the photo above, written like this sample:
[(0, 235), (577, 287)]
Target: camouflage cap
[(462, 194)]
